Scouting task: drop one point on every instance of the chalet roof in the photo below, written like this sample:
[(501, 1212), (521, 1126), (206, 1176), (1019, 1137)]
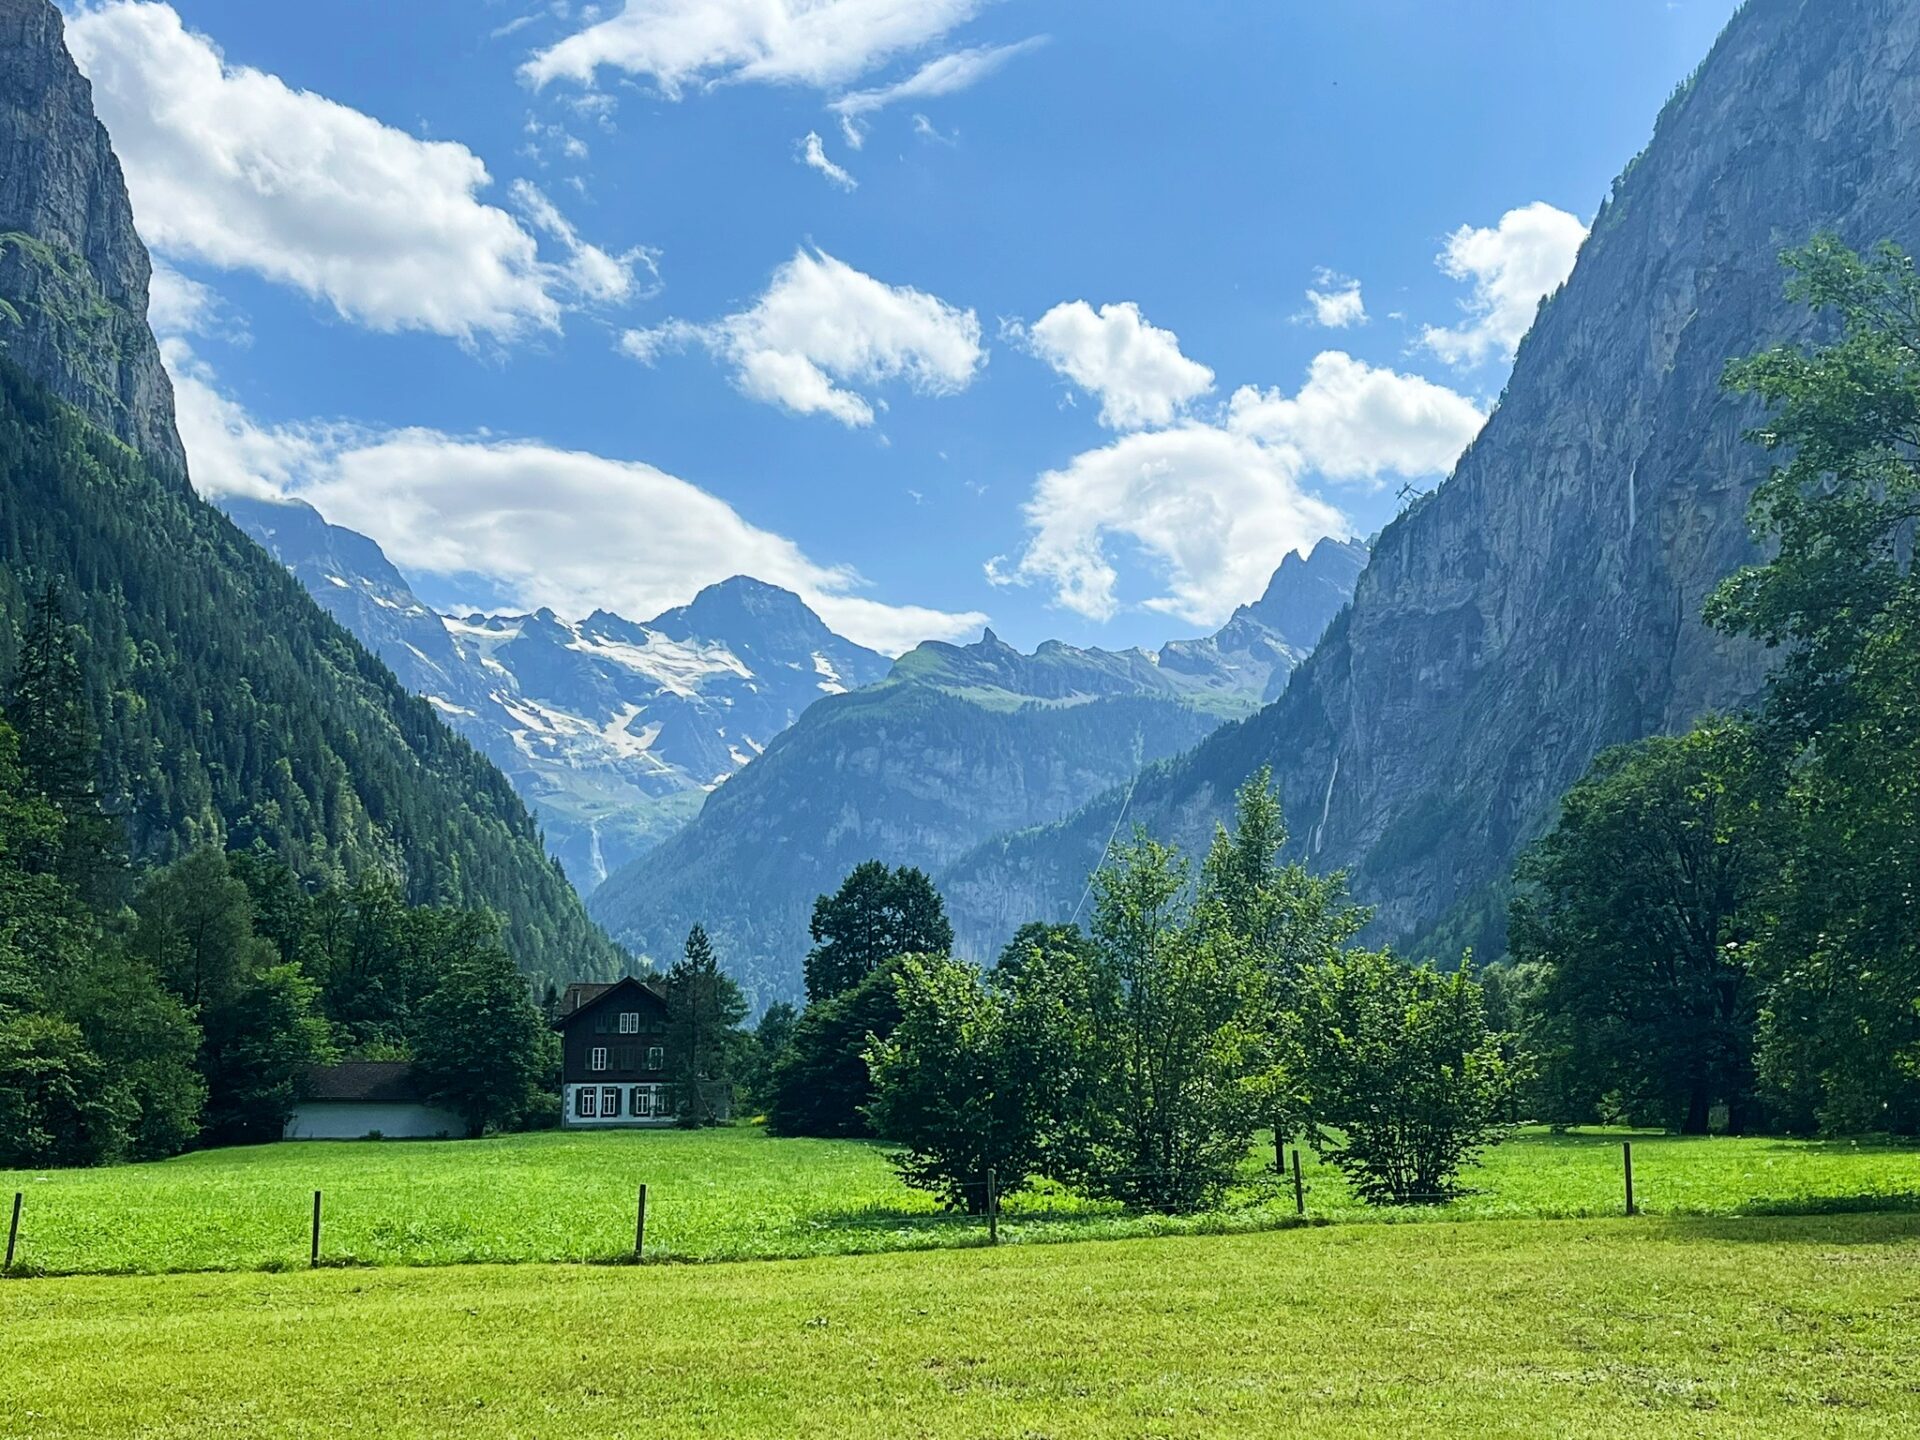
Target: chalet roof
[(383, 1081), (584, 995)]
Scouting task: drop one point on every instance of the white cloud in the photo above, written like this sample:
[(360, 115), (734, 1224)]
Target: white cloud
[(559, 528), (813, 154), (943, 75), (591, 271), (822, 328), (681, 43), (180, 305), (1215, 510), (1335, 302), (1511, 267), (1133, 368), (230, 166), (1352, 421)]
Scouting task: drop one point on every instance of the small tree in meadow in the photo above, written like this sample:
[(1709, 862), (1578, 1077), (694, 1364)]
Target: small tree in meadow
[(1404, 1083), (986, 1074), (704, 1009)]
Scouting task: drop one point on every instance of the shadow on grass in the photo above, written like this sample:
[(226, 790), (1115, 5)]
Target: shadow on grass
[(1873, 1220)]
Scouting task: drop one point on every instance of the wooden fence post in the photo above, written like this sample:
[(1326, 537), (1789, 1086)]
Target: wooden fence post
[(993, 1208), (13, 1231), (640, 1225), (313, 1255), (1279, 1152), (1299, 1190), (1626, 1158)]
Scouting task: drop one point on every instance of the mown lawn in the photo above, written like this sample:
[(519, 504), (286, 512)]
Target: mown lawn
[(1751, 1328), (739, 1194)]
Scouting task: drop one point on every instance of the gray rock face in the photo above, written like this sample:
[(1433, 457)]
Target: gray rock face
[(1545, 603), (73, 274), (960, 742)]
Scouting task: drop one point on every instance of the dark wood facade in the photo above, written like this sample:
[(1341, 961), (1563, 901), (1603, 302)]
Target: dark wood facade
[(613, 1056)]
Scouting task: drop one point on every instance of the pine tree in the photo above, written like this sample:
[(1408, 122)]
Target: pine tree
[(704, 1010)]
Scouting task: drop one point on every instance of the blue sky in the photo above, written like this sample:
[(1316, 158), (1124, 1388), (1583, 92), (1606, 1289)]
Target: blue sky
[(549, 300)]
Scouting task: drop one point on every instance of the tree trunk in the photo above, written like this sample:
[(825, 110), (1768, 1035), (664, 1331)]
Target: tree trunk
[(1699, 1109)]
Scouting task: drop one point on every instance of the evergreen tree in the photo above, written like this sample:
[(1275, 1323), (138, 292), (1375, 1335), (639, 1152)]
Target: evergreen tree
[(876, 915), (821, 1085), (704, 1011)]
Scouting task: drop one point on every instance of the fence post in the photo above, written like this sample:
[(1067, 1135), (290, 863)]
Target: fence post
[(1626, 1157), (1279, 1152), (1299, 1190), (993, 1208), (13, 1231), (640, 1224), (313, 1256)]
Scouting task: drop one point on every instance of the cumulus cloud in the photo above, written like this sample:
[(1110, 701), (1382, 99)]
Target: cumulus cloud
[(1511, 267), (813, 154), (1134, 369), (1215, 507), (232, 167), (559, 528), (1335, 301), (943, 75), (680, 43), (1216, 511), (1353, 421), (823, 328)]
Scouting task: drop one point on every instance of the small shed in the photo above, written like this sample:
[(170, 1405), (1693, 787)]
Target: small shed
[(365, 1097)]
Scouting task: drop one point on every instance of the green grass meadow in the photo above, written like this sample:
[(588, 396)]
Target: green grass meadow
[(740, 1194), (1507, 1330)]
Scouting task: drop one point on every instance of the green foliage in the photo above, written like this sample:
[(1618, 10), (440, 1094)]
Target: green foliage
[(1640, 912), (230, 710), (483, 1049), (821, 1085), (875, 915), (1404, 1082), (1178, 1014), (988, 1078), (56, 1105), (704, 1011)]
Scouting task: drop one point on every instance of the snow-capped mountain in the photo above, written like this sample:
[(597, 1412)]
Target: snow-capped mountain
[(614, 731)]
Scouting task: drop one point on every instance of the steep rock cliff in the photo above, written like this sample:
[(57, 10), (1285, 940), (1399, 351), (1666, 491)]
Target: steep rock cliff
[(1545, 602)]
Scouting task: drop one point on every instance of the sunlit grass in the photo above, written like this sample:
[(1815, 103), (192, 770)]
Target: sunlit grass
[(740, 1194), (1750, 1329)]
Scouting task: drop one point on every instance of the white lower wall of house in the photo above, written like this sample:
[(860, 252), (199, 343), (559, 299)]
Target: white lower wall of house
[(355, 1119), (572, 1119)]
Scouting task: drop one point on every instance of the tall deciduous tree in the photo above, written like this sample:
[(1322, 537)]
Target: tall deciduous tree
[(1640, 910), (877, 914), (1180, 1024), (1840, 596), (483, 1047)]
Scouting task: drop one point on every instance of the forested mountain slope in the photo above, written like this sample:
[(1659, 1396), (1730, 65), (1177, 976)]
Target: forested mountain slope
[(1545, 603), (231, 709), (957, 744)]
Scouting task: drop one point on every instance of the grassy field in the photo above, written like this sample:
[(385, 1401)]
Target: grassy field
[(1747, 1329), (739, 1194)]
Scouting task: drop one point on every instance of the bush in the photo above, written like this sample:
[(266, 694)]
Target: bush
[(1404, 1084)]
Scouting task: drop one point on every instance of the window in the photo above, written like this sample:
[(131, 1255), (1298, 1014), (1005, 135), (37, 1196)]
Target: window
[(602, 1023), (642, 1102), (656, 1057), (598, 1061), (625, 1057), (609, 1102), (584, 1107), (629, 1022)]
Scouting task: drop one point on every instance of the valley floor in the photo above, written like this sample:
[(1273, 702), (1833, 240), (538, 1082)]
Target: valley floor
[(1752, 1328)]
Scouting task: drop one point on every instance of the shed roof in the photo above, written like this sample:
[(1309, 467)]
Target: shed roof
[(373, 1081)]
